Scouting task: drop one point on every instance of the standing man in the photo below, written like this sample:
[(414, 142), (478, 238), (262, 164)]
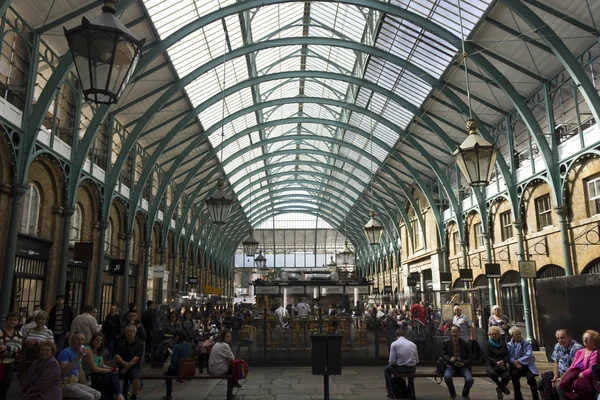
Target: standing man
[(467, 331), (149, 323), (456, 354), (86, 323), (112, 329), (72, 372), (59, 322), (281, 312), (132, 320), (128, 356), (563, 355), (302, 308), (403, 359)]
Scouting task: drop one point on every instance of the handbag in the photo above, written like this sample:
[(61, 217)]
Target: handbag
[(187, 367), (567, 380), (167, 362)]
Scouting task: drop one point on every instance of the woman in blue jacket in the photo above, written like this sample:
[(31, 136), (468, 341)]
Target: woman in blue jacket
[(181, 349), (522, 363)]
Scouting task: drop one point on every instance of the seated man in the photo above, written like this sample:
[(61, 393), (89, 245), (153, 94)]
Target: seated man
[(456, 353), (403, 359), (74, 383), (563, 355), (128, 355)]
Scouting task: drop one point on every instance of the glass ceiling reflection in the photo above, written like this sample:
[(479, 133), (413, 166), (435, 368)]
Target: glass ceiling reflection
[(318, 20)]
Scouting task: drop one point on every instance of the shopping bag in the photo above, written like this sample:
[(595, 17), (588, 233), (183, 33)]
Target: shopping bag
[(239, 369), (167, 362), (187, 367)]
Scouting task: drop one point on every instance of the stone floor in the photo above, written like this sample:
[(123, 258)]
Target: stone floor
[(355, 383)]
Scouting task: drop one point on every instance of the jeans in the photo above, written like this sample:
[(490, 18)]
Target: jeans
[(172, 371), (80, 392), (500, 376), (458, 371), (59, 340), (387, 373), (111, 349), (545, 387), (515, 376), (101, 382), (149, 344)]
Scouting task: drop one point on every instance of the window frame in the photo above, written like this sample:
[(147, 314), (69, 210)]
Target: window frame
[(595, 180), (542, 215), (108, 237), (506, 230), (456, 243), (27, 215), (76, 224), (479, 234)]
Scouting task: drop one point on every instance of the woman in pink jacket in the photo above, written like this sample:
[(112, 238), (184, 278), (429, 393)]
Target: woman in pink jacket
[(582, 387)]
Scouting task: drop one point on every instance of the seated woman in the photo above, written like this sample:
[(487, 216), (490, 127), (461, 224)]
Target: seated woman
[(173, 325), (103, 378), (522, 363), (495, 354), (220, 356), (39, 333), (43, 377), (582, 388), (181, 349)]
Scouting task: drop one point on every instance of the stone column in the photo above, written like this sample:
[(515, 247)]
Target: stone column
[(64, 250), (9, 256)]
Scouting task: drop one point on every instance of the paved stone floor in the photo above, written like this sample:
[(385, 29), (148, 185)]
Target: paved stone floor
[(355, 383)]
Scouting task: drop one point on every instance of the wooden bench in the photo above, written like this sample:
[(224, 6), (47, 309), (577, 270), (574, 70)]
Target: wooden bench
[(432, 374), (196, 377)]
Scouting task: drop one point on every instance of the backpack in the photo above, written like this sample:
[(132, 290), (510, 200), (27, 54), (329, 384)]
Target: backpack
[(440, 369)]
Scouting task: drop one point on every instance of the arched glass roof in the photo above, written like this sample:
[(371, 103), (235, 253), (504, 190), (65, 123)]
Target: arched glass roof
[(286, 129)]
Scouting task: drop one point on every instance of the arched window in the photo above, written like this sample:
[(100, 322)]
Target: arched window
[(154, 184), (31, 210), (108, 238), (138, 168), (116, 148), (512, 297), (76, 223)]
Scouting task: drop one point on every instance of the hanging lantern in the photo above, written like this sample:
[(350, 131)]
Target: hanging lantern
[(373, 230), (476, 157), (105, 54), (219, 205), (250, 244), (260, 261), (346, 254)]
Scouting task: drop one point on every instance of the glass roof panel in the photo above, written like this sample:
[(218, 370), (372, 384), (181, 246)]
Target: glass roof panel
[(314, 19), (294, 221)]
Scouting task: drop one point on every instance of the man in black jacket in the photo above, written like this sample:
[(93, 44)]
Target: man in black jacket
[(111, 329), (149, 323), (59, 322), (456, 353)]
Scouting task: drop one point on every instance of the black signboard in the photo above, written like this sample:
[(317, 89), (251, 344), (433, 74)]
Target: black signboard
[(192, 280), (84, 251), (446, 277), (493, 270), (411, 282), (29, 247), (387, 290), (117, 267), (375, 290), (466, 275)]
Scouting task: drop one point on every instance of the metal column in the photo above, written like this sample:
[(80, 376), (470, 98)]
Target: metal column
[(64, 250)]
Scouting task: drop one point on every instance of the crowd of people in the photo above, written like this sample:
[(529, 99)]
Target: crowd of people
[(507, 357), (58, 354)]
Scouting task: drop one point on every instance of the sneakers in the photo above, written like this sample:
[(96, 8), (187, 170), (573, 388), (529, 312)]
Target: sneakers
[(237, 385), (505, 390), (181, 381), (390, 396)]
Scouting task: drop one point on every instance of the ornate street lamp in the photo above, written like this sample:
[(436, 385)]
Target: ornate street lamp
[(219, 205), (105, 54), (332, 265), (476, 157), (346, 254), (260, 261), (373, 230), (250, 244)]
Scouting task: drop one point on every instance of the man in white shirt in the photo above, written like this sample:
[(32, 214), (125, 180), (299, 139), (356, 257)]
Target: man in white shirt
[(465, 325), (281, 312), (404, 359), (302, 308)]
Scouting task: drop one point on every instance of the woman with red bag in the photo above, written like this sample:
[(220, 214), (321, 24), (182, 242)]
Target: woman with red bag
[(577, 382)]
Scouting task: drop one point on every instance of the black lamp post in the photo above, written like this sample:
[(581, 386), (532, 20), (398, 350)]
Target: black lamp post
[(105, 54), (346, 254), (219, 205), (250, 244), (476, 157), (260, 261), (373, 230)]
